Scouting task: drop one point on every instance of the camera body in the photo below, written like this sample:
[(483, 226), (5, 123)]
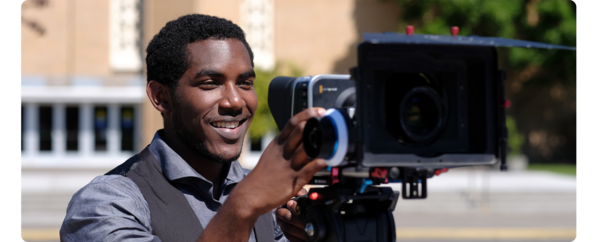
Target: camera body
[(290, 95), (405, 105)]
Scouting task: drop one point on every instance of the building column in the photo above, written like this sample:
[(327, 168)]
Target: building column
[(113, 135), (86, 130), (58, 129), (31, 143)]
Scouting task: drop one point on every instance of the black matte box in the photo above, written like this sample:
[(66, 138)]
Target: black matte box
[(466, 78)]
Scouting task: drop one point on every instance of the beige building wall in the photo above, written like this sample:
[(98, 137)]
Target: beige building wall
[(90, 30), (75, 40), (228, 9), (321, 36), (46, 53)]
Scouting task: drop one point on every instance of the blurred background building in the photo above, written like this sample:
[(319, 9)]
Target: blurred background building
[(83, 83), (84, 108)]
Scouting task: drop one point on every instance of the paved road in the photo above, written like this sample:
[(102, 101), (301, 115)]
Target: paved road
[(473, 206)]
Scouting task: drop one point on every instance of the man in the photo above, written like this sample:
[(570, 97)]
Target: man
[(187, 184)]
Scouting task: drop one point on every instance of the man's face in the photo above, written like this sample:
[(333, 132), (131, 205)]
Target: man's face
[(215, 101)]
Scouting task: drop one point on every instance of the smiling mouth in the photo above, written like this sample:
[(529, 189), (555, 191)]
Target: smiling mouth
[(227, 125)]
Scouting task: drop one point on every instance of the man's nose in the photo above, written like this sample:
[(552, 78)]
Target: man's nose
[(231, 99)]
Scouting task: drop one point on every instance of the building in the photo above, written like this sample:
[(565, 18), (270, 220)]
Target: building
[(83, 85)]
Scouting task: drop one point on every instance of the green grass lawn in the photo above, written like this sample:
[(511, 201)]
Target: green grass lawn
[(558, 168)]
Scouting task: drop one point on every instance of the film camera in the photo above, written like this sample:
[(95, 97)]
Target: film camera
[(414, 106)]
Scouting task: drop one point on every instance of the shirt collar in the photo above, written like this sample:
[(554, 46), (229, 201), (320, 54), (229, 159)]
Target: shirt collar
[(174, 167)]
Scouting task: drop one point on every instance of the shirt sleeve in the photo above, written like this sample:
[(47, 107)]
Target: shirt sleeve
[(109, 208)]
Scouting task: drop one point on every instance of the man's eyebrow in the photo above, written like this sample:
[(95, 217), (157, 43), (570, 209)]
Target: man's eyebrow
[(247, 74), (208, 72)]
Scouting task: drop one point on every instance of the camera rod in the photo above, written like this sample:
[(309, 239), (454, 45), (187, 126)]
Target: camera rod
[(502, 130)]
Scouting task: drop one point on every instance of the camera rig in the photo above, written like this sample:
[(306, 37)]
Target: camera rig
[(415, 106)]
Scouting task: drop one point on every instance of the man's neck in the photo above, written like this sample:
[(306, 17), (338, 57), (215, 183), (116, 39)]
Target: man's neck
[(211, 170)]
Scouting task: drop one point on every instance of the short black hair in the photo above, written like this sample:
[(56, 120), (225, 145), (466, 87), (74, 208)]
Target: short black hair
[(167, 56)]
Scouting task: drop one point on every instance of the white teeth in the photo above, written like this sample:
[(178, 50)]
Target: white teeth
[(229, 125)]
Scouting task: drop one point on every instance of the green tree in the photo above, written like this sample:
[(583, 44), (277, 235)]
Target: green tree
[(548, 21), (515, 142)]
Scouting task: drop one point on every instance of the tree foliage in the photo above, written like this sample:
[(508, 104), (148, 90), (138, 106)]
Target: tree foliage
[(516, 140), (263, 121), (548, 21), (541, 83)]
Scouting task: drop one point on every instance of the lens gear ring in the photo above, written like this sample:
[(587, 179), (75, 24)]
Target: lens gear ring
[(341, 132)]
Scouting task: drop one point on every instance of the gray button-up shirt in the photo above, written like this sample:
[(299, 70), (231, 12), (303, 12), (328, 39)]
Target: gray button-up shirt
[(112, 208)]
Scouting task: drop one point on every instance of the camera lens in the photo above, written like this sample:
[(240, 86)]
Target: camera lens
[(421, 114), (315, 138), (327, 137), (319, 138)]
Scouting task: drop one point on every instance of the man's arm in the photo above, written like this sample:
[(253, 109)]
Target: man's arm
[(283, 169), (91, 214)]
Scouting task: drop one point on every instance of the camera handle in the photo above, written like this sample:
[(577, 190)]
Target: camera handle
[(338, 213)]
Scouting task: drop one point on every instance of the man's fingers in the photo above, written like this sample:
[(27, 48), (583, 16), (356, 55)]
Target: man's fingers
[(290, 225), (290, 229), (292, 142), (288, 216), (309, 170), (292, 206), (300, 158), (294, 121), (283, 213), (301, 192)]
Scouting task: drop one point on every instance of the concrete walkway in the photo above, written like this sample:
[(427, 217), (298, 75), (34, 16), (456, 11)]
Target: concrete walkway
[(484, 191)]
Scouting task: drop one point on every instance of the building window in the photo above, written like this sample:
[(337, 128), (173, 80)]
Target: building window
[(127, 127), (76, 127), (70, 132), (45, 128), (256, 144), (72, 128), (100, 128)]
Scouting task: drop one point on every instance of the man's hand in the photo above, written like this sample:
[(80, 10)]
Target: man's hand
[(289, 221), (283, 169)]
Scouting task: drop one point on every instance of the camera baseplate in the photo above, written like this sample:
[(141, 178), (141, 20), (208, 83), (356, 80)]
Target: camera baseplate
[(414, 183)]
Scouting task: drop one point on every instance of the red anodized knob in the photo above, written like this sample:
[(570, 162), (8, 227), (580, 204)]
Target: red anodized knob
[(410, 30), (454, 30)]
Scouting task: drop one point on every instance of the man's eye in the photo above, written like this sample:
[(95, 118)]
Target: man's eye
[(208, 84), (247, 83)]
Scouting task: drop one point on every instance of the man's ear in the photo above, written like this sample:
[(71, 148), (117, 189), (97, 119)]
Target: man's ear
[(159, 96)]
